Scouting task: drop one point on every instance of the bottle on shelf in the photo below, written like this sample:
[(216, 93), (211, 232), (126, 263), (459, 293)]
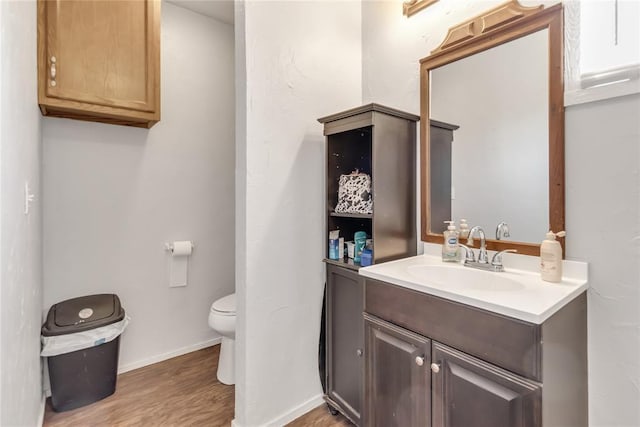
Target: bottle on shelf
[(334, 244), (359, 239)]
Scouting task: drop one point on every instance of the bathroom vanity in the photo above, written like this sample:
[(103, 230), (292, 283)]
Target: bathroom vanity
[(444, 353)]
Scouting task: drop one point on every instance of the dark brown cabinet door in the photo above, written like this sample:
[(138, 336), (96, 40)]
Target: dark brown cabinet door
[(470, 392), (345, 341), (398, 378)]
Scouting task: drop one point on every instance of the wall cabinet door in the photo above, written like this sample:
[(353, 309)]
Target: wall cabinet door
[(398, 376), (345, 341), (100, 60), (470, 392)]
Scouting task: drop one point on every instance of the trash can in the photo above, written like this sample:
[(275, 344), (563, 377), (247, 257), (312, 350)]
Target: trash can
[(81, 339)]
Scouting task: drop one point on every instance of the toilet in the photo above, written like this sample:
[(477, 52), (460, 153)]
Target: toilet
[(222, 318)]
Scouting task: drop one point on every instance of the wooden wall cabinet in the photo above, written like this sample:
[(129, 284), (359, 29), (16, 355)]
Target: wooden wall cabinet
[(381, 142), (100, 60)]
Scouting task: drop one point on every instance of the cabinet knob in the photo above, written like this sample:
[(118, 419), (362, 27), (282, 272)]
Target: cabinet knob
[(53, 71), (420, 360), (435, 367), (359, 352)]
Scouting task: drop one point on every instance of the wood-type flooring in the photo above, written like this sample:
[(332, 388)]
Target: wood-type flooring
[(182, 391)]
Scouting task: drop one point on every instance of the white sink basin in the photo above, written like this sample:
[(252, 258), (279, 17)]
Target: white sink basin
[(459, 277), (518, 292)]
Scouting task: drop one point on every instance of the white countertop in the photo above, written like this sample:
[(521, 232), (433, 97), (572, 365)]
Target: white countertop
[(532, 300)]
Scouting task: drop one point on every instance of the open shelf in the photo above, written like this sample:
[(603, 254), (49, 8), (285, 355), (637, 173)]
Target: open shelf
[(351, 215), (380, 142), (345, 262)]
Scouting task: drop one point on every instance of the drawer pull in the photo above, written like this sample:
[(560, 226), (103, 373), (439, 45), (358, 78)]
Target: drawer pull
[(420, 360), (435, 368)]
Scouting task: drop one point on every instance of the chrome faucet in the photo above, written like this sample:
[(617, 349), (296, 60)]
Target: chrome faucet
[(502, 230), (482, 253), (482, 263), (496, 261)]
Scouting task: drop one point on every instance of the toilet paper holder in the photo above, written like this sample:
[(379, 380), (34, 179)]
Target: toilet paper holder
[(169, 246)]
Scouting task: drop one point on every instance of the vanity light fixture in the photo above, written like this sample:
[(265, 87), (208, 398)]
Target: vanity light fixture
[(409, 7)]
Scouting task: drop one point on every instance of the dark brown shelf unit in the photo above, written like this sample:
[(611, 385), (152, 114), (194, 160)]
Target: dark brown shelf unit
[(381, 142)]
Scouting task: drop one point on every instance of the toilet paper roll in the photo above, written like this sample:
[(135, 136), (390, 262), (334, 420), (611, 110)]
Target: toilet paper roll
[(180, 252), (181, 248)]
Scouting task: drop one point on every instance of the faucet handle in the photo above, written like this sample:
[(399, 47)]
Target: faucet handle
[(502, 230), (468, 253), (497, 258)]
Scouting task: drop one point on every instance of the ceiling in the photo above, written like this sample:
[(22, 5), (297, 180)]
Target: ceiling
[(221, 10)]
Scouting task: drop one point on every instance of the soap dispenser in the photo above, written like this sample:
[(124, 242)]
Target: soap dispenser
[(551, 257), (450, 246), (464, 229)]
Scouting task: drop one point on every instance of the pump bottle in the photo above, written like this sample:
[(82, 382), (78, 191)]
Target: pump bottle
[(551, 257), (464, 229), (450, 246)]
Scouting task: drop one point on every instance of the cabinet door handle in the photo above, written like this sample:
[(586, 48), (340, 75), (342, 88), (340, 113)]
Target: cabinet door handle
[(419, 360), (359, 352), (53, 71), (435, 367)]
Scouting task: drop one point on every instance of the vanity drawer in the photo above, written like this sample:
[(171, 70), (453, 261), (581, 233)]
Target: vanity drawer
[(510, 343)]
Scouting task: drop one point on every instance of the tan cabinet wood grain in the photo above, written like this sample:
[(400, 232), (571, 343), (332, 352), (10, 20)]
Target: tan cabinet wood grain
[(99, 60)]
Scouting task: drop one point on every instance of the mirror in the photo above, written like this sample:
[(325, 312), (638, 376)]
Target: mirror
[(499, 152), (493, 150)]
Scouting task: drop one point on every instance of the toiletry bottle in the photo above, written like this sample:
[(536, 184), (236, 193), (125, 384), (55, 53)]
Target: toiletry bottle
[(366, 257), (360, 239), (464, 229), (334, 241), (551, 257), (450, 246)]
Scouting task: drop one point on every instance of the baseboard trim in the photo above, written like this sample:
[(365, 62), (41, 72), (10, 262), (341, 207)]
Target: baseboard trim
[(297, 412), (43, 402), (291, 415), (169, 355)]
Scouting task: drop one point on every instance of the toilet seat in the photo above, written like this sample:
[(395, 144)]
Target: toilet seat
[(225, 306)]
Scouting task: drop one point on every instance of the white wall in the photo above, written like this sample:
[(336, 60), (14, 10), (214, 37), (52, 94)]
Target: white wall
[(602, 204), (114, 195), (20, 250), (302, 61), (603, 227)]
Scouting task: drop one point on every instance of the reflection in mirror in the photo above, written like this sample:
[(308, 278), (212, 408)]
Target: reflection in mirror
[(496, 169)]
